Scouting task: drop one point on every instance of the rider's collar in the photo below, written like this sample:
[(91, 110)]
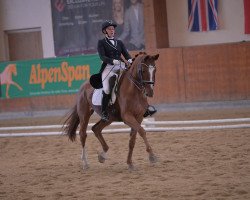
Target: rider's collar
[(112, 38)]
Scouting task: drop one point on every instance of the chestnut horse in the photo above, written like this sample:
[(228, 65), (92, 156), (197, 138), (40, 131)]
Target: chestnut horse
[(135, 85)]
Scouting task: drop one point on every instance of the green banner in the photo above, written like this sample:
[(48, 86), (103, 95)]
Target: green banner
[(51, 76)]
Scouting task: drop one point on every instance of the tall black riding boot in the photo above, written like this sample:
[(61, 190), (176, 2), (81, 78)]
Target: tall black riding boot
[(105, 102)]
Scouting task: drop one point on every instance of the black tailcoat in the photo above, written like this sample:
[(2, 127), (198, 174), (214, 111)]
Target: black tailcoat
[(108, 52)]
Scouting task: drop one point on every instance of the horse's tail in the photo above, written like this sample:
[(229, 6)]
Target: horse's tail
[(71, 124)]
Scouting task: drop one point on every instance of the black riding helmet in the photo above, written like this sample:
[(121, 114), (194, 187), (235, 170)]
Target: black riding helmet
[(108, 23)]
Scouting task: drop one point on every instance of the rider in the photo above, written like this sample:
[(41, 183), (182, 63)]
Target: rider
[(110, 51)]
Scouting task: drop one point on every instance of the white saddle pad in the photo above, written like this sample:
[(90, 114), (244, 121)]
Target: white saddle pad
[(97, 97)]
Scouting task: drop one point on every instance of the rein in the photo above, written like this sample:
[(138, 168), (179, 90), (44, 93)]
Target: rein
[(138, 84)]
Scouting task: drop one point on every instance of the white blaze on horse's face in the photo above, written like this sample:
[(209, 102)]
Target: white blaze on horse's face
[(150, 79), (151, 72)]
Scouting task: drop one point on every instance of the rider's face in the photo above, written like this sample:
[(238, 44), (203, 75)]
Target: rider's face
[(110, 31)]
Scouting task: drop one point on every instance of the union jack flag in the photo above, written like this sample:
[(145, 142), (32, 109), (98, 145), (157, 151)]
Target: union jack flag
[(202, 15)]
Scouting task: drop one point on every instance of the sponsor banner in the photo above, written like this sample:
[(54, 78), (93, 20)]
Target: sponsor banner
[(77, 25), (52, 76)]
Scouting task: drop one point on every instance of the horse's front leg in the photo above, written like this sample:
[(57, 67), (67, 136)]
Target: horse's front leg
[(97, 129), (131, 148), (152, 157), (136, 126), (18, 86)]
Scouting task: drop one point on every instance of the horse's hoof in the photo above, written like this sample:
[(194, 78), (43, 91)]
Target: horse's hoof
[(153, 158), (85, 167), (131, 168), (101, 157)]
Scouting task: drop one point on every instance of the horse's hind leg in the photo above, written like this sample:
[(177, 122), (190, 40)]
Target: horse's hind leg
[(83, 136), (84, 112), (131, 148), (97, 129)]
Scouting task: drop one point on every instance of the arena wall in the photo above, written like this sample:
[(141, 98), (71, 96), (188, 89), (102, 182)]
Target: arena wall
[(218, 72), (203, 73), (189, 74)]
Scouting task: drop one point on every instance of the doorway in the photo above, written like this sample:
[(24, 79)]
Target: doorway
[(24, 44)]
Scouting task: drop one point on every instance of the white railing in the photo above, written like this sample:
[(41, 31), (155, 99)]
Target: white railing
[(148, 124)]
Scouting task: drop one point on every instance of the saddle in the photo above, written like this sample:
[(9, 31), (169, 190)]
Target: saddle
[(96, 81), (114, 85)]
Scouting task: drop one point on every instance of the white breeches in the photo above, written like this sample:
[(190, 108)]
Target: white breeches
[(108, 72)]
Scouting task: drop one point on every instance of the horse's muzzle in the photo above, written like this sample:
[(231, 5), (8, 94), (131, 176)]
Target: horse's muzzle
[(149, 92), (149, 88)]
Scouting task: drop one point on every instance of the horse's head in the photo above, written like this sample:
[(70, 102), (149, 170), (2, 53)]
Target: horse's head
[(146, 70), (12, 69)]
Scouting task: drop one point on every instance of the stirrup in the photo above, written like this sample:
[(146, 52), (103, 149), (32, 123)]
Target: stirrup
[(150, 112)]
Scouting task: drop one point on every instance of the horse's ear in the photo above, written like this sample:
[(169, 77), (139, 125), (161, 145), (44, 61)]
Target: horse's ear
[(146, 58), (156, 56)]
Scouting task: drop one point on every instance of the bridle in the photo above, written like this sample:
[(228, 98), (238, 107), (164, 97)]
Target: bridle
[(140, 74), (141, 83)]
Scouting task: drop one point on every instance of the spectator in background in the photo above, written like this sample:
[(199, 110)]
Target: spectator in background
[(118, 15), (133, 29)]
